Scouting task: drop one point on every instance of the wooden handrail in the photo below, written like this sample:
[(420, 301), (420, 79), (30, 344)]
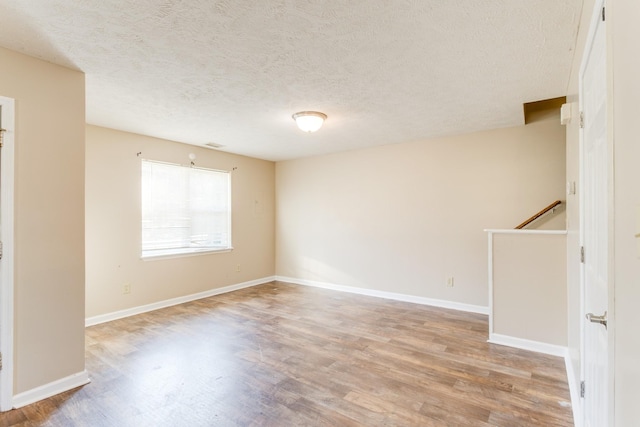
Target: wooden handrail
[(539, 214)]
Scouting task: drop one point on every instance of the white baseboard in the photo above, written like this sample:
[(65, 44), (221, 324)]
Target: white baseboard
[(51, 389), (389, 295), (102, 318), (537, 346)]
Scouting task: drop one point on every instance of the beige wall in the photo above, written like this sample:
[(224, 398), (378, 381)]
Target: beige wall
[(113, 224), (403, 218), (623, 17), (49, 218), (530, 287)]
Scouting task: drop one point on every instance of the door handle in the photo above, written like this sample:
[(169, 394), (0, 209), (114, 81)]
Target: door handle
[(598, 319)]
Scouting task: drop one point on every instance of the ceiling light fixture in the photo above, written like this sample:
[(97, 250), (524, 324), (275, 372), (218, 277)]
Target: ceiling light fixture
[(309, 121)]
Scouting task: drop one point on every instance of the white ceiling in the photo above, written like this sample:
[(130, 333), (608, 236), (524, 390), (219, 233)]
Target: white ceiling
[(233, 72)]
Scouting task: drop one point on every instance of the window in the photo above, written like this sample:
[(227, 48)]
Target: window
[(184, 209)]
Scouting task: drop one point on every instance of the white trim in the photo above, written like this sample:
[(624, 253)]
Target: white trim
[(537, 346), (190, 165), (102, 318), (579, 418), (187, 252), (389, 295), (490, 278), (56, 387), (514, 231), (576, 401), (6, 267)]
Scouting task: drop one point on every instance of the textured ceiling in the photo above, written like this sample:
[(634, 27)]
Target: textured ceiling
[(233, 72)]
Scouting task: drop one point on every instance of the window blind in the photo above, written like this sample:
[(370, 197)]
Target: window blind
[(184, 209)]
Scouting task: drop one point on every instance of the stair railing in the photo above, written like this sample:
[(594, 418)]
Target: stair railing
[(551, 207)]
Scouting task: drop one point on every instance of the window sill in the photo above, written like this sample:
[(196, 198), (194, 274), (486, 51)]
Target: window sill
[(180, 253)]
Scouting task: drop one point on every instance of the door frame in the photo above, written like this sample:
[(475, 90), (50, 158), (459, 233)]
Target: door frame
[(593, 26), (7, 181)]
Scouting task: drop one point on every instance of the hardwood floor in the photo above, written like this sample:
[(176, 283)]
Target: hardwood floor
[(287, 355)]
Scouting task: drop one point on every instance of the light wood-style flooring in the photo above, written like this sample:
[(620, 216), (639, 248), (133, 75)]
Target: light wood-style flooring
[(287, 355)]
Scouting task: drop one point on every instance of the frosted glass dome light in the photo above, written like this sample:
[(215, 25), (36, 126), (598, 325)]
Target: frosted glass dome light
[(309, 121)]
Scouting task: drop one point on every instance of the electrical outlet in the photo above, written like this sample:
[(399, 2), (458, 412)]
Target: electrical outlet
[(238, 268), (450, 282), (126, 288)]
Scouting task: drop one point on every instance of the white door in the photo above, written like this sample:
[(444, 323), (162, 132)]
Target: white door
[(7, 109), (595, 225)]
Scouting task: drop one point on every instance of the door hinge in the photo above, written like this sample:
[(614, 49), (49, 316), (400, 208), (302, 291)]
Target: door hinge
[(581, 120), (1, 250), (581, 388), (0, 361), (2, 131), (603, 14), (582, 254)]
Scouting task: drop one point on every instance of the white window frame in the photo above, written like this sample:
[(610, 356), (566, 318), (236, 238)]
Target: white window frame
[(171, 252)]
